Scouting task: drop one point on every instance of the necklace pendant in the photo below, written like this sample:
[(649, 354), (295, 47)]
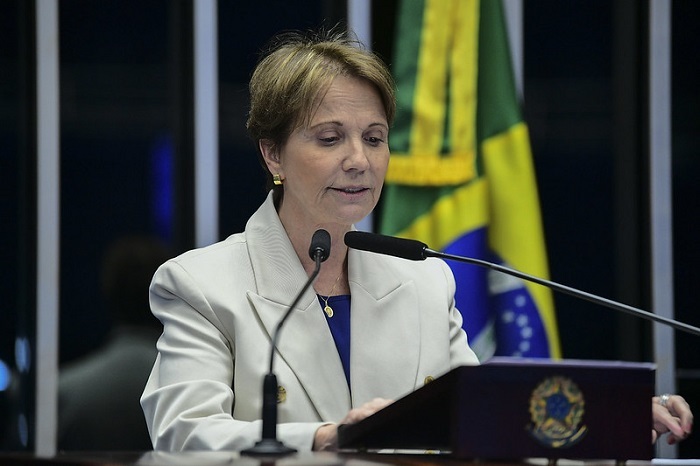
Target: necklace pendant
[(328, 310)]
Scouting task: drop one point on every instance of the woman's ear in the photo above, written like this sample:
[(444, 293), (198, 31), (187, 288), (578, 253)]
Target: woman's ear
[(270, 155)]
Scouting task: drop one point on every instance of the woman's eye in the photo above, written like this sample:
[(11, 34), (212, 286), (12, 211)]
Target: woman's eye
[(329, 139), (374, 140)]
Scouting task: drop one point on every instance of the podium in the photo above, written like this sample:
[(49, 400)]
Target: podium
[(513, 408)]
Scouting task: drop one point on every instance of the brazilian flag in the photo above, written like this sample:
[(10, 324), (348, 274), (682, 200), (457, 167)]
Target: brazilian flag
[(461, 177)]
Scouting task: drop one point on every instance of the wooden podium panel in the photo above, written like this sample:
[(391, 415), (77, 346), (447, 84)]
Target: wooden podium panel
[(514, 408)]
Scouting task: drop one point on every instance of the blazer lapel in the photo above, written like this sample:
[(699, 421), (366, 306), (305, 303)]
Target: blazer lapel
[(279, 277), (385, 331), (306, 345)]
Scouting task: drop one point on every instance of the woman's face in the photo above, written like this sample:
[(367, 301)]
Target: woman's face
[(333, 170)]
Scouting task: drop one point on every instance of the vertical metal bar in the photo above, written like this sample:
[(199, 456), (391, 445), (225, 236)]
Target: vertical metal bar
[(47, 226), (206, 123), (513, 10), (360, 20), (661, 197), (359, 14)]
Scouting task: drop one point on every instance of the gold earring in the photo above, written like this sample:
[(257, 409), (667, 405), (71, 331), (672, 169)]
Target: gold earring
[(277, 179)]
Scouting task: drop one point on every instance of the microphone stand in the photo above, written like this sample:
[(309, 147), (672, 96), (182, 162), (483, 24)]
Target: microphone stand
[(427, 252), (269, 445)]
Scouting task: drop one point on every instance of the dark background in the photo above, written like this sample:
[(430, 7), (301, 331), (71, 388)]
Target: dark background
[(121, 111)]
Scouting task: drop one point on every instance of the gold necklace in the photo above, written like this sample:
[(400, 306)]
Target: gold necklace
[(326, 308)]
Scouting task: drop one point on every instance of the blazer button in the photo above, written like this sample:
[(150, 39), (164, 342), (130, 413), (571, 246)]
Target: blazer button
[(428, 379), (281, 394)]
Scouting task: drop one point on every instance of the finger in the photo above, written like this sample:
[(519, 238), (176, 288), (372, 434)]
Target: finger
[(366, 410), (679, 408), (664, 421), (379, 403), (678, 414), (373, 406)]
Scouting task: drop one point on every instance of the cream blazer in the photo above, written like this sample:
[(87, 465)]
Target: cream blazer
[(219, 306)]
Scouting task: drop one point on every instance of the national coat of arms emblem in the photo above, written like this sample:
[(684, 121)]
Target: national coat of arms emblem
[(556, 411)]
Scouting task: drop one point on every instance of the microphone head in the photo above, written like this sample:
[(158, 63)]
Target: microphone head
[(320, 245), (382, 244)]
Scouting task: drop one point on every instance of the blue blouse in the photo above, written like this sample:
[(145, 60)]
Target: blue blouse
[(339, 325)]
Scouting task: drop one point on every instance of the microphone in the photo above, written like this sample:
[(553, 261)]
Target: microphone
[(319, 251), (416, 250)]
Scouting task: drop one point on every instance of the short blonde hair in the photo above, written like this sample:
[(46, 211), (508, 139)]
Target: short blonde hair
[(296, 71)]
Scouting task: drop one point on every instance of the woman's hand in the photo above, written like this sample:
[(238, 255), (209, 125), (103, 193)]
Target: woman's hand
[(671, 413), (327, 435)]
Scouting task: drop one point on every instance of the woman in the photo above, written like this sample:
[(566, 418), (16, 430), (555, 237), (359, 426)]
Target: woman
[(320, 113)]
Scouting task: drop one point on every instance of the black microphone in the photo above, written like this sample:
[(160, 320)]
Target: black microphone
[(416, 250), (319, 251)]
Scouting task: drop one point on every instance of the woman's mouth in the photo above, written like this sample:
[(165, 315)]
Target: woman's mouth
[(351, 191)]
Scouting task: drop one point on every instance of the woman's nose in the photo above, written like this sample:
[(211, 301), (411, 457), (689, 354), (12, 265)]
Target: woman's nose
[(357, 157)]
